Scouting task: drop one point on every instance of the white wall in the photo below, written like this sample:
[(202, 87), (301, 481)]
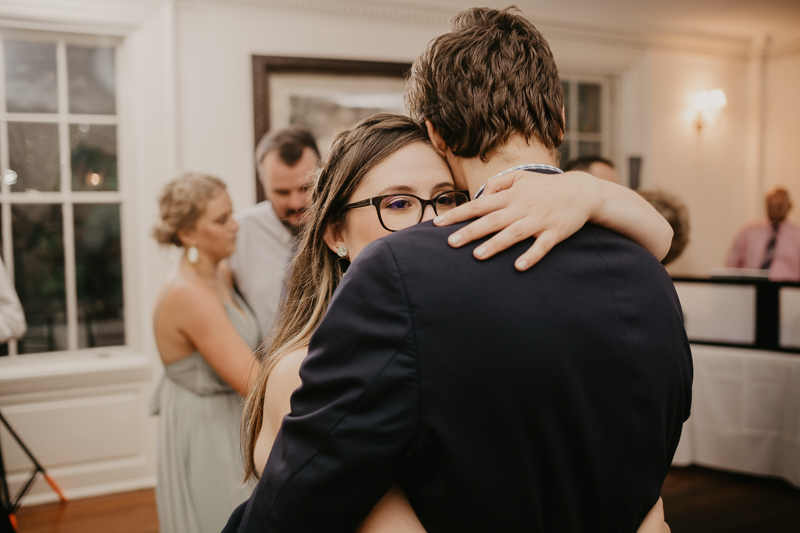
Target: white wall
[(782, 133), (706, 168), (215, 43)]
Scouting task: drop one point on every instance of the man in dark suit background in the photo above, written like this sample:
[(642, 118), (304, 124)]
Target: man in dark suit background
[(545, 400)]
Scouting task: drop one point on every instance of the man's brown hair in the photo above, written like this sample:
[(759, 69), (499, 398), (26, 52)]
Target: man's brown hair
[(290, 143), (490, 76)]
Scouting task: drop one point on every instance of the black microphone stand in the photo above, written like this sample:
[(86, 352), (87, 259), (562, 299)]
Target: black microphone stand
[(10, 505)]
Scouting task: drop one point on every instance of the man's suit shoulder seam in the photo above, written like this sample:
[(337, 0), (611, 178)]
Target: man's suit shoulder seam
[(619, 312), (413, 331)]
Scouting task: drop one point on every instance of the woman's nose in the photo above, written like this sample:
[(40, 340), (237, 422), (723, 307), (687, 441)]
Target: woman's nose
[(428, 213)]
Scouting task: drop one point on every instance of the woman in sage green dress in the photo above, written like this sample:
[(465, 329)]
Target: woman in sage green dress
[(206, 335)]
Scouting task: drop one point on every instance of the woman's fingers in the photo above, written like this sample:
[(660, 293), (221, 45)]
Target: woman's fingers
[(543, 244), (511, 235), (517, 209), (470, 210), (515, 232), (490, 223), (500, 183)]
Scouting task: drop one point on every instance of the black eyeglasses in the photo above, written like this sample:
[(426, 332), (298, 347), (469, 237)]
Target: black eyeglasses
[(401, 211)]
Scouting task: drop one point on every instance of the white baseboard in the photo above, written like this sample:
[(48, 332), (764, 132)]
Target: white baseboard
[(93, 490)]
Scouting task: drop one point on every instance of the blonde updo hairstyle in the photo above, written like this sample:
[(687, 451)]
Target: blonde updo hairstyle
[(182, 201)]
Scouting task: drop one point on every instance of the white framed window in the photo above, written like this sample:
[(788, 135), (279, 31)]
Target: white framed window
[(60, 195), (587, 105)]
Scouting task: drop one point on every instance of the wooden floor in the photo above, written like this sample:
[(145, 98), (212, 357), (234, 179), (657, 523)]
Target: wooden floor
[(696, 500), (710, 501), (128, 512)]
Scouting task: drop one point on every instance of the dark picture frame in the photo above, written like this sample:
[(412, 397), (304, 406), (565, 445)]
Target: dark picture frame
[(265, 66)]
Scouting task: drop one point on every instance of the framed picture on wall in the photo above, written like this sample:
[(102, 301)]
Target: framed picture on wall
[(323, 95)]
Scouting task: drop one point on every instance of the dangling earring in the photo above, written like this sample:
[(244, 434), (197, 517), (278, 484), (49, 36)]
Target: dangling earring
[(192, 255), (341, 251)]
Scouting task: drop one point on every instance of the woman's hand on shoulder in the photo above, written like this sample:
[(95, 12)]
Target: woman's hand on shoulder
[(521, 204), (551, 207)]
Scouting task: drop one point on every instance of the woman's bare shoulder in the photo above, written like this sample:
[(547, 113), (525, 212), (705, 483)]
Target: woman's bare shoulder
[(283, 380), (188, 296), (187, 289), (289, 365)]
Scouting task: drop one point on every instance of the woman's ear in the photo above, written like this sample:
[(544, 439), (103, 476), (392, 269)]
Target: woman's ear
[(436, 140), (187, 237), (563, 121), (334, 237)]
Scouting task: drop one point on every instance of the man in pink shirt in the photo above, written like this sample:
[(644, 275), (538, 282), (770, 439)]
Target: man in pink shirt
[(772, 245)]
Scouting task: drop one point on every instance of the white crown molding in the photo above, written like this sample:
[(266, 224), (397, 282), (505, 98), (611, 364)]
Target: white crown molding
[(120, 17), (430, 14), (788, 46), (736, 48), (551, 25), (104, 17)]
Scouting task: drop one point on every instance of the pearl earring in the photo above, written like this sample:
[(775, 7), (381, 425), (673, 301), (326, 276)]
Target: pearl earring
[(192, 255), (341, 251)]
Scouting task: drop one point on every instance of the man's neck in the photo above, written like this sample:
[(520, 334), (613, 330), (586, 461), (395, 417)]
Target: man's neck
[(473, 172)]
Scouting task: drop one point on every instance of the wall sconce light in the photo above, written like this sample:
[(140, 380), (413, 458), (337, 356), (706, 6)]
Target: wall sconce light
[(707, 104)]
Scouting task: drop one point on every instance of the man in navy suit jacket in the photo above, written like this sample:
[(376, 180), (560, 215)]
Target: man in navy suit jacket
[(544, 400)]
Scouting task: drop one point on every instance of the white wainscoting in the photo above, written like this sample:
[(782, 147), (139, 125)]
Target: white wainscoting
[(92, 439), (790, 317), (714, 312)]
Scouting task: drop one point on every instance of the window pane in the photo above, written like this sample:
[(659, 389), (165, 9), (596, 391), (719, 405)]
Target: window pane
[(39, 275), (588, 148), (98, 265), (91, 80), (33, 155), (94, 157), (30, 77), (3, 346), (564, 152), (589, 107), (565, 87)]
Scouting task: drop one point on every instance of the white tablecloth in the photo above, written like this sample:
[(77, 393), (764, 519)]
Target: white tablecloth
[(745, 412)]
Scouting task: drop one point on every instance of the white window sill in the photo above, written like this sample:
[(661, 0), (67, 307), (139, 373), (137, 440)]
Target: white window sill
[(65, 371)]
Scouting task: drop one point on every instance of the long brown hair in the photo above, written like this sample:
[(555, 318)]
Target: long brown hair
[(316, 271)]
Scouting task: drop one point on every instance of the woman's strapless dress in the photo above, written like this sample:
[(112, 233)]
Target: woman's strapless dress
[(199, 469)]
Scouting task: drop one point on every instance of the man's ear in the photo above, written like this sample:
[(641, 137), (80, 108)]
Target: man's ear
[(436, 140), (333, 237)]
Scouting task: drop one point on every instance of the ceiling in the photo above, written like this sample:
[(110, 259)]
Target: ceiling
[(752, 19)]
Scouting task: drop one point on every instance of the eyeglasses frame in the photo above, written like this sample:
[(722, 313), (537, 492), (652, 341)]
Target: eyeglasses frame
[(376, 201)]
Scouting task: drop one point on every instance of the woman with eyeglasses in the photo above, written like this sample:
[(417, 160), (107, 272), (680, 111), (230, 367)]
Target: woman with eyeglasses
[(380, 176)]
